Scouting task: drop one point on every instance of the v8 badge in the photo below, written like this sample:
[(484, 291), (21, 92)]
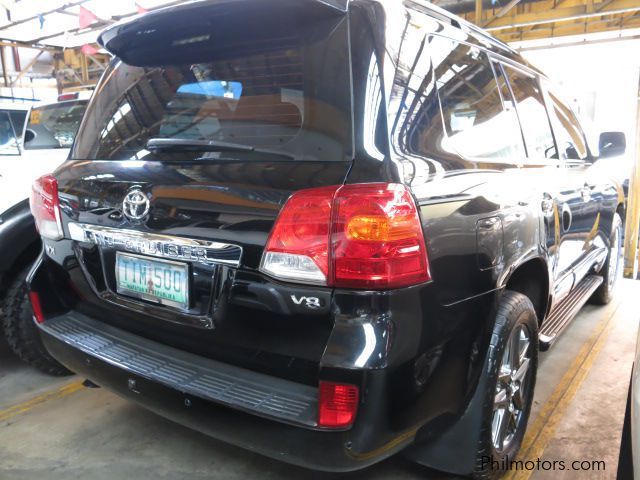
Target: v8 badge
[(309, 302)]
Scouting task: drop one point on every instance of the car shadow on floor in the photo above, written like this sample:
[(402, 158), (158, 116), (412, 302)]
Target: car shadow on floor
[(188, 446)]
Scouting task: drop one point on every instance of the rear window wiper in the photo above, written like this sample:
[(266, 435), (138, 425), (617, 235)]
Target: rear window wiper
[(188, 145), (184, 144)]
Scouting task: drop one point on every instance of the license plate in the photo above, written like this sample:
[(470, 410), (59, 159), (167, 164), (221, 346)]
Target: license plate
[(158, 281)]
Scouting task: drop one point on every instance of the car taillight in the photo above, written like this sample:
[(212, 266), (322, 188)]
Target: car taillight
[(337, 405), (45, 207), (365, 236), (36, 307), (298, 247)]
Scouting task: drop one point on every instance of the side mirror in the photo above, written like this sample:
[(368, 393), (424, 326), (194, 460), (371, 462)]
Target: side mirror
[(612, 144), (29, 135)]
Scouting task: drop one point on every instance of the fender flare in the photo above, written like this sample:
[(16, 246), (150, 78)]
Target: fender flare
[(17, 234)]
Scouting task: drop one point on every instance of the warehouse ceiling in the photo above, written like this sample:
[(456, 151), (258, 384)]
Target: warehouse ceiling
[(520, 20), (65, 24), (69, 24)]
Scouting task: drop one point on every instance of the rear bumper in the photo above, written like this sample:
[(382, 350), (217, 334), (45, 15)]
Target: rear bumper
[(263, 414)]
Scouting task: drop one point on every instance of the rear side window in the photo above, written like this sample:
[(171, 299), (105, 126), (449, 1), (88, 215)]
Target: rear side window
[(476, 121), (9, 131), (18, 118), (569, 136), (287, 97), (55, 126), (532, 113)]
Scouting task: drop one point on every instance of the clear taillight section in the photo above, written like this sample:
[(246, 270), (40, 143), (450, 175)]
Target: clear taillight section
[(45, 207), (362, 236)]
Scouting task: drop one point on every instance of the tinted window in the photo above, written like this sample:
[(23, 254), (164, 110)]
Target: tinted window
[(567, 129), (55, 126), (18, 118), (8, 135), (287, 95), (532, 113), (476, 121)]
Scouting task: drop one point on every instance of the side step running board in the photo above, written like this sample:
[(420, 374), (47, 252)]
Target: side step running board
[(563, 313)]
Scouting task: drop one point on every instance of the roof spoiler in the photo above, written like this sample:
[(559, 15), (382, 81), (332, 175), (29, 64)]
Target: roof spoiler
[(184, 24)]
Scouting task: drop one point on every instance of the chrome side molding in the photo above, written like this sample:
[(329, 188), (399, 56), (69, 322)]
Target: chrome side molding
[(157, 245)]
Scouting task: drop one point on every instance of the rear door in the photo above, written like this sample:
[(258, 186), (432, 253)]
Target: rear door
[(194, 152), (562, 203)]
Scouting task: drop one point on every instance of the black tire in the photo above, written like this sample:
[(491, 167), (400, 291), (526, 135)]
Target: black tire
[(604, 293), (515, 315), (20, 331)]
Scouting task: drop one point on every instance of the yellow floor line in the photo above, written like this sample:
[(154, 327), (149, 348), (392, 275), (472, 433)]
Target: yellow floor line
[(28, 405), (541, 431)]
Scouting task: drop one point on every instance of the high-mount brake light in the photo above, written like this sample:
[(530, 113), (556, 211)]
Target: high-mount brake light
[(68, 96), (45, 207), (361, 236)]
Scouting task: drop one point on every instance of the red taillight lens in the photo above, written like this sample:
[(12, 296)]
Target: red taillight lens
[(45, 207), (356, 236), (338, 405), (36, 306), (298, 247), (377, 239)]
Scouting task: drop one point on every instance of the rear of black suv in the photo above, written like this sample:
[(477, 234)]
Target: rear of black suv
[(230, 246)]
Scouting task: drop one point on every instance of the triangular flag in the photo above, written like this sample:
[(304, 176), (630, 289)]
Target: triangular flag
[(86, 17), (140, 8), (89, 49)]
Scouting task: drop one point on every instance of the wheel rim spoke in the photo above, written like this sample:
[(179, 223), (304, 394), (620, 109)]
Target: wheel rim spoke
[(499, 420), (501, 400), (522, 371), (509, 399)]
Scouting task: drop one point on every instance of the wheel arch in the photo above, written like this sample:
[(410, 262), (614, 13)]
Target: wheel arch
[(19, 240), (531, 278)]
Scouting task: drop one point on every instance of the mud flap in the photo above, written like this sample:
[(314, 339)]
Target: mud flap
[(455, 450)]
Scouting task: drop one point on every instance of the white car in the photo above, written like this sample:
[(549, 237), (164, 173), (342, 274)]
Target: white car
[(27, 152), (12, 120), (47, 138)]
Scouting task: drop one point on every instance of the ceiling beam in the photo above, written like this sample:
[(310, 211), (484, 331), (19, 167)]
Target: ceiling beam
[(502, 12), (29, 65), (564, 14), (594, 25), (12, 43)]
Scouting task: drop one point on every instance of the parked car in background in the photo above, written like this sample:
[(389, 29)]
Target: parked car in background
[(326, 231), (12, 120), (32, 150)]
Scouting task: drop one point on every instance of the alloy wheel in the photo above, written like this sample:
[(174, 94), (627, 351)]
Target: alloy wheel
[(510, 398)]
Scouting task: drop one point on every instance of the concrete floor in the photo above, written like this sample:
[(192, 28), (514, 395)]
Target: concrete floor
[(51, 431)]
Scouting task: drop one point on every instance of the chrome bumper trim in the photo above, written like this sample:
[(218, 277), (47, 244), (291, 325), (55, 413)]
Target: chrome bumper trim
[(157, 245)]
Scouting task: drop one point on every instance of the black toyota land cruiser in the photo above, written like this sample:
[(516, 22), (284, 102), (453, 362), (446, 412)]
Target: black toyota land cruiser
[(323, 230)]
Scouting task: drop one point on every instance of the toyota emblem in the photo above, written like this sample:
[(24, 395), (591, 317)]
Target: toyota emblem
[(136, 205)]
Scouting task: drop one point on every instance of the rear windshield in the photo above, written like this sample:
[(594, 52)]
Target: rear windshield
[(287, 97), (54, 126)]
